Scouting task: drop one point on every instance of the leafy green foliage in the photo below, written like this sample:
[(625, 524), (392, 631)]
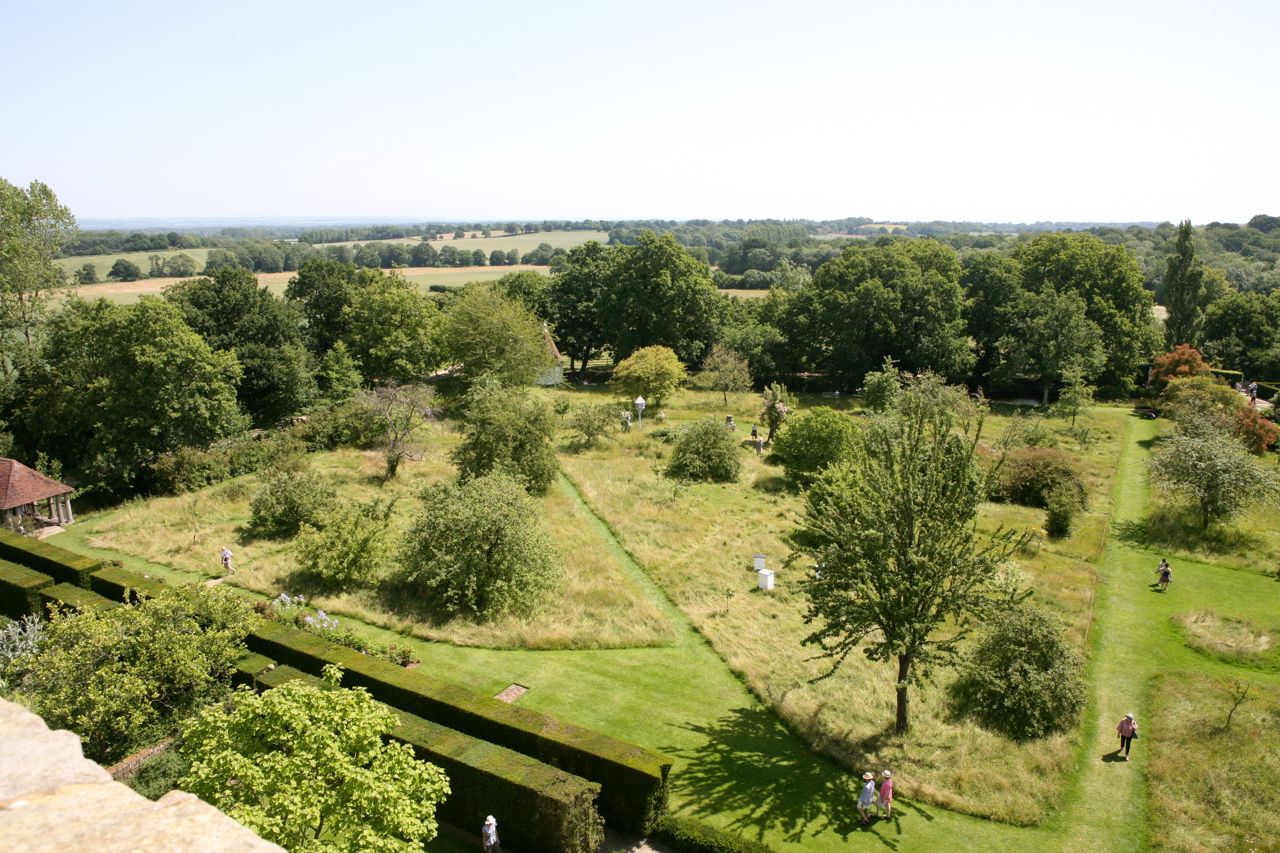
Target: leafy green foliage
[(20, 640), (1030, 474), (1184, 292), (898, 568), (1050, 333), (492, 335), (705, 451), (880, 389), (1023, 679), (575, 300), (690, 835), (338, 376), (1062, 504), (508, 430), (593, 421), (287, 500), (477, 548), (724, 370), (1213, 470), (309, 769), (125, 270), (351, 547), (119, 676), (654, 373), (392, 331), (1075, 397), (778, 406), (813, 440), (1198, 395)]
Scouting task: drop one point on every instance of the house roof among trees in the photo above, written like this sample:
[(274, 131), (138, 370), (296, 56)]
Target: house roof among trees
[(20, 485)]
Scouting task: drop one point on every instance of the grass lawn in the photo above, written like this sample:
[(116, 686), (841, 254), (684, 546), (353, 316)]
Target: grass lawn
[(698, 544), (600, 605)]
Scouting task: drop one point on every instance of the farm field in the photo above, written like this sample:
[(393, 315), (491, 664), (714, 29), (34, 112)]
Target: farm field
[(102, 263), (728, 696), (520, 242), (129, 291)]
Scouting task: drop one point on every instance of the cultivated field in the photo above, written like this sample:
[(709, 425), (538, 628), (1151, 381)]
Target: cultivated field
[(103, 263), (129, 291), (520, 242)]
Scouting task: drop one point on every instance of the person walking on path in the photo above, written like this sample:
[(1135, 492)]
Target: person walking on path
[(226, 560), (867, 798), (489, 835), (1166, 575), (886, 795), (1128, 730)]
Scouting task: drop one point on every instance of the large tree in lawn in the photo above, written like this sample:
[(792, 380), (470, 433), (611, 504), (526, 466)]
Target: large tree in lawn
[(659, 294), (899, 570), (575, 301), (1050, 333)]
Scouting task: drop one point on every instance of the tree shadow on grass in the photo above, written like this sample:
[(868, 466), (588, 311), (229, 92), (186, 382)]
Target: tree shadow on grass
[(1178, 528), (406, 601), (751, 766)]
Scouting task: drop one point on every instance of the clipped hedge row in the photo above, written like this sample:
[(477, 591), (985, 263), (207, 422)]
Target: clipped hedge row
[(633, 780), (115, 582), (77, 598), (546, 810), (58, 563), (689, 835), (248, 667), (20, 590)]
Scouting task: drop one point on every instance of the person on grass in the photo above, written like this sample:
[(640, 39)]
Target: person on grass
[(886, 794), (1165, 573), (867, 798), (1128, 730), (226, 560)]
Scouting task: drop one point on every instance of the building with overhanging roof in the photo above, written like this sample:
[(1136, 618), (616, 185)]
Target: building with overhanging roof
[(25, 492)]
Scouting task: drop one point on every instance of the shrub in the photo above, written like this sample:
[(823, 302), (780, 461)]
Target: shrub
[(881, 389), (1023, 679), (1189, 396), (654, 373), (353, 424), (690, 835), (351, 548), (20, 640), (189, 469), (508, 430), (119, 676), (477, 548), (1184, 360), (288, 500), (1030, 474), (1258, 434), (777, 407), (705, 451), (592, 422), (814, 439), (1062, 504)]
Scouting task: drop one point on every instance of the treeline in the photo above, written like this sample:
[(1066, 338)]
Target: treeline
[(423, 254)]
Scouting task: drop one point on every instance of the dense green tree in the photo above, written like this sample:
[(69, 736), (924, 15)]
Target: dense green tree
[(1212, 469), (1050, 333), (654, 373), (1110, 282), (1184, 292), (1076, 395), (124, 270), (392, 330), (510, 430), (491, 335), (742, 327), (338, 377), (351, 547), (706, 451), (181, 266), (658, 294), (528, 287), (424, 255), (1241, 331), (368, 256), (575, 300), (899, 569), (477, 548), (34, 226), (814, 439), (121, 677), (313, 769), (594, 421), (287, 500), (87, 274), (992, 282), (321, 289), (116, 386), (232, 313)]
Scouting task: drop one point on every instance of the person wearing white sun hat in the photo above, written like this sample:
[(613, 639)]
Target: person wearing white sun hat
[(867, 798), (489, 835), (885, 800)]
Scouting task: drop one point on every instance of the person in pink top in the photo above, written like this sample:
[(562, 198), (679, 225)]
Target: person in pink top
[(1128, 730), (886, 795)]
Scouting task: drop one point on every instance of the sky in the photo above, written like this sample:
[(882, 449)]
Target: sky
[(982, 111)]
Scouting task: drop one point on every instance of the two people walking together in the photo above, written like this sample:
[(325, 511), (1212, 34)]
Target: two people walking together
[(869, 798)]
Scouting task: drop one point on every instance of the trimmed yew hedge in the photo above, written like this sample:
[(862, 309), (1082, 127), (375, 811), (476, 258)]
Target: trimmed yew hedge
[(77, 598), (58, 563), (20, 590), (115, 582), (689, 835), (633, 780), (539, 808), (248, 667)]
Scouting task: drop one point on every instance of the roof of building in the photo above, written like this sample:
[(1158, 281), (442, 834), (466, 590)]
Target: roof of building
[(20, 485)]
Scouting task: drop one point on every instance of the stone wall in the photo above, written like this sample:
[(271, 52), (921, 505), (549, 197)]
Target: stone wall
[(52, 798)]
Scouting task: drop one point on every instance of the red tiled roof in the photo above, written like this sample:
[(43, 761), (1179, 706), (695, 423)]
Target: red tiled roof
[(20, 485)]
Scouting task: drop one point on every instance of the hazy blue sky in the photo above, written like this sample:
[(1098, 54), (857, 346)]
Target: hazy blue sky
[(913, 110)]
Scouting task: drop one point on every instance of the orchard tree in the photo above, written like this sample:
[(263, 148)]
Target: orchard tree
[(352, 546), (478, 549), (654, 373), (1076, 395), (1184, 292), (489, 334), (313, 768), (724, 370), (401, 411), (593, 421), (705, 451), (1213, 470), (899, 570), (34, 226), (575, 302), (509, 430), (392, 331), (815, 439)]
